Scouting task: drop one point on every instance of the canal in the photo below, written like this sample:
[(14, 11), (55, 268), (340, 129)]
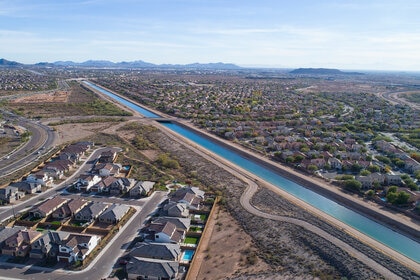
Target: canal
[(383, 234)]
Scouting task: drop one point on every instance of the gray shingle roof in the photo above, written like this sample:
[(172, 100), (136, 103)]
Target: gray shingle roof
[(152, 268), (115, 212), (180, 223), (162, 251)]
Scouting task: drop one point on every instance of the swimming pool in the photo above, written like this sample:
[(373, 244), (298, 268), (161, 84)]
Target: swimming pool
[(187, 255)]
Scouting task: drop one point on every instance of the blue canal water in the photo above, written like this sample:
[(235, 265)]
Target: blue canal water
[(139, 109), (392, 239)]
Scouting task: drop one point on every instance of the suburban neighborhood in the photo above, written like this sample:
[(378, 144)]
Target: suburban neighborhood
[(65, 232)]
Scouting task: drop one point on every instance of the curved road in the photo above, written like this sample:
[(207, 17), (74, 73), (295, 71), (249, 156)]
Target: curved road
[(41, 136), (394, 98)]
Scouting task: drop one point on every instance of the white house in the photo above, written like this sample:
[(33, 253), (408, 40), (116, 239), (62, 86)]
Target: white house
[(76, 247)]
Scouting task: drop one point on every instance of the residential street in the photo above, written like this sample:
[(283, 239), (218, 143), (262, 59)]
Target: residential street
[(102, 265)]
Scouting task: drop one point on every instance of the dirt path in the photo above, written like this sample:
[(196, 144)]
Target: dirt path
[(252, 188), (245, 202)]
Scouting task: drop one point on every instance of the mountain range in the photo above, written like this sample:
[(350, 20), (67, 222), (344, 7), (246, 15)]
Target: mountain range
[(124, 64), (322, 71)]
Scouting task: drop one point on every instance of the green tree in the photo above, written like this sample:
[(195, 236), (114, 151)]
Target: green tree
[(402, 198), (417, 174), (392, 189), (298, 158), (312, 167), (370, 193), (391, 197), (364, 172), (290, 159), (374, 168), (167, 162), (353, 185)]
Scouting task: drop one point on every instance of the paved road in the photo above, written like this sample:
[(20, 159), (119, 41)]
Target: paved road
[(102, 265), (42, 136), (395, 98)]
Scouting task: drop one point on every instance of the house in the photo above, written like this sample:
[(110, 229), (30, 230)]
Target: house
[(77, 247), (47, 207), (27, 187), (114, 213), (191, 196), (10, 194), (174, 209), (143, 268), (122, 185), (160, 251), (19, 244), (44, 176), (70, 209), (85, 182), (165, 232), (411, 165), (47, 245), (180, 223), (75, 151), (6, 232), (108, 156), (370, 180), (61, 166), (104, 185), (106, 169), (53, 172), (91, 211), (393, 179), (141, 188), (41, 178), (335, 163)]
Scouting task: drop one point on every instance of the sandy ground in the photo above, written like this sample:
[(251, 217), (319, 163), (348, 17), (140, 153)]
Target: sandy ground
[(225, 253), (68, 133), (56, 96)]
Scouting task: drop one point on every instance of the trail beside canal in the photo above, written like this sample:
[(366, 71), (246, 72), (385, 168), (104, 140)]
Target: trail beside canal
[(253, 187)]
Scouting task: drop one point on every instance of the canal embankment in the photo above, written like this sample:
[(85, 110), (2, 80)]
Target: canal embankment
[(384, 217)]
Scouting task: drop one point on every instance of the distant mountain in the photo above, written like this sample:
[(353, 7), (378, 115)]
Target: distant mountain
[(136, 64), (322, 71), (125, 64), (218, 65), (143, 64), (4, 62)]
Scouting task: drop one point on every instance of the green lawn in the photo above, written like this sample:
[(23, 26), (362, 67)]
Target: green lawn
[(191, 240)]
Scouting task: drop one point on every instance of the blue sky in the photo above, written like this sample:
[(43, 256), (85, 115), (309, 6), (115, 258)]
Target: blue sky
[(359, 34)]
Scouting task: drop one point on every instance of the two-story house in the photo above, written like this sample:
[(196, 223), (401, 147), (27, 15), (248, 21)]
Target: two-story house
[(85, 182), (77, 247), (10, 194), (47, 244), (19, 244)]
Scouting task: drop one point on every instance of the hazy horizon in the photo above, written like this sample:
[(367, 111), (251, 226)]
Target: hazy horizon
[(356, 35)]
